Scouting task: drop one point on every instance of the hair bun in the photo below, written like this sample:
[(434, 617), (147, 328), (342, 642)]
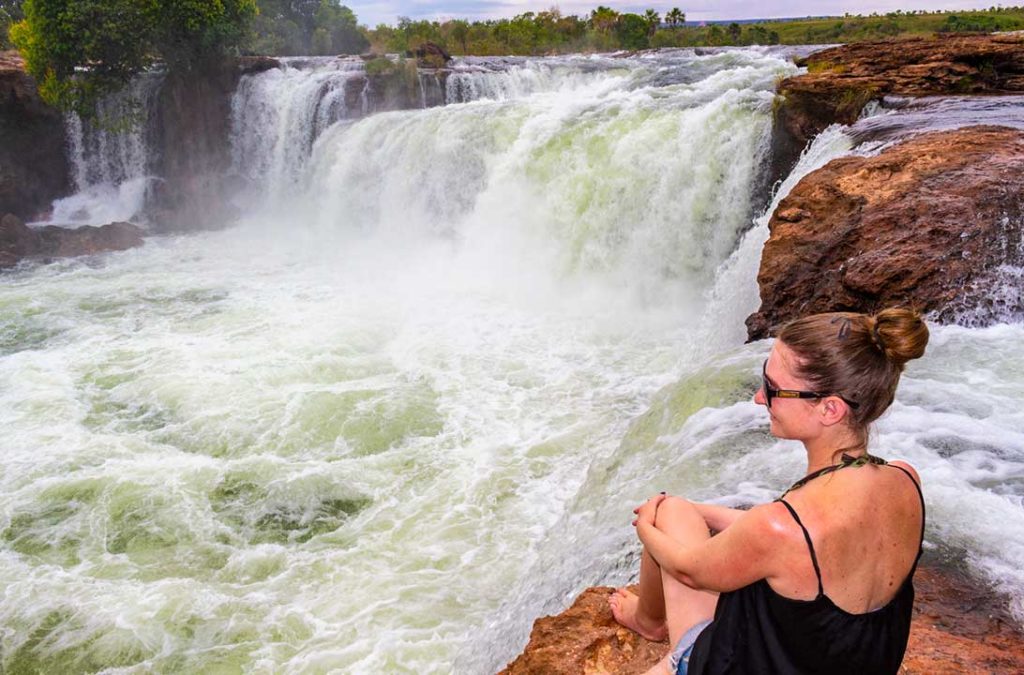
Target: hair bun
[(900, 333)]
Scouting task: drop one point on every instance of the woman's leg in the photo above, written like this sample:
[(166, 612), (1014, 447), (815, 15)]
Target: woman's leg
[(664, 605)]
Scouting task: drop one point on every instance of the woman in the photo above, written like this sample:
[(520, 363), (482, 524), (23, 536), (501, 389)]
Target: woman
[(820, 580)]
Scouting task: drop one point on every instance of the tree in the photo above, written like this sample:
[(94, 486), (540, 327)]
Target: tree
[(338, 23), (734, 32), (298, 27), (653, 21), (631, 29), (675, 17), (603, 19), (460, 32), (10, 14), (79, 51)]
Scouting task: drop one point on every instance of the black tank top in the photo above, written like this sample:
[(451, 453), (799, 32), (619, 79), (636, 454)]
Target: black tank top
[(756, 630)]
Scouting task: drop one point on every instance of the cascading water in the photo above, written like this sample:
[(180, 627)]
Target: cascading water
[(277, 115), (110, 157), (406, 404)]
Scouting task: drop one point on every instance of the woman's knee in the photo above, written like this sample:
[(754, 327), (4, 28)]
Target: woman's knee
[(677, 515), (673, 508)]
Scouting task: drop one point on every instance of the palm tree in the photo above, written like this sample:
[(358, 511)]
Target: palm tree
[(675, 17), (653, 21), (603, 19)]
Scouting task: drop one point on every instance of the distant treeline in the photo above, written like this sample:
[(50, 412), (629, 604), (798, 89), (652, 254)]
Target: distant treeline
[(322, 27), (605, 29)]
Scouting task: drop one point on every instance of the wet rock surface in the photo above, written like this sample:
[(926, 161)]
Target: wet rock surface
[(935, 222), (959, 626), (841, 80), (33, 169), (19, 241)]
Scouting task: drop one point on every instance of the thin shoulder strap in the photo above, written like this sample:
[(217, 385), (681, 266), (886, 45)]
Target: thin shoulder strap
[(810, 546), (920, 545)]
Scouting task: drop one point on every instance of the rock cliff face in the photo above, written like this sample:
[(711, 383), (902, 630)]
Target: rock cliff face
[(192, 131), (944, 638), (33, 169), (935, 223), (840, 81), (189, 129)]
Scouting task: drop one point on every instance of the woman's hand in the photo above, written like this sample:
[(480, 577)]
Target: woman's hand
[(648, 510)]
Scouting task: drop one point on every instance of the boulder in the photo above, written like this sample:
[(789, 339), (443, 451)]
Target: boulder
[(934, 223), (18, 241), (430, 55), (586, 639), (959, 626)]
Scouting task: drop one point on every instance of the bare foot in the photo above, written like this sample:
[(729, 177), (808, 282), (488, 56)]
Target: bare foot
[(625, 608)]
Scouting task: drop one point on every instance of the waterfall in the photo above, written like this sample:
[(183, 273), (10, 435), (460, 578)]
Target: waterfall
[(404, 402), (111, 156), (638, 172), (277, 115)]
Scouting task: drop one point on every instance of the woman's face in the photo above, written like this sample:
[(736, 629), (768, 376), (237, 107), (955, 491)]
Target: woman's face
[(791, 418)]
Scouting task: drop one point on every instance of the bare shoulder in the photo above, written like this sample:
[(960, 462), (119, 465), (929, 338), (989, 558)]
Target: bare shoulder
[(771, 522), (909, 469)]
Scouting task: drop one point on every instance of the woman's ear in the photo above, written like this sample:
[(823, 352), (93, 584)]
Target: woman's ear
[(833, 410)]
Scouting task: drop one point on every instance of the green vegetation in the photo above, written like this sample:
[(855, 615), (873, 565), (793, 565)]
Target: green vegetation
[(79, 51), (10, 14), (302, 27), (551, 32), (880, 26)]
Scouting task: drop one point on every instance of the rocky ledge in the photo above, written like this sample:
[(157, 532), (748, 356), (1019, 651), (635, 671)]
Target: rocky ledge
[(958, 627), (935, 222), (19, 241), (841, 80)]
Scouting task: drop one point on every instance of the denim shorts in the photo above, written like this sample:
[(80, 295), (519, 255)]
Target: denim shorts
[(680, 659)]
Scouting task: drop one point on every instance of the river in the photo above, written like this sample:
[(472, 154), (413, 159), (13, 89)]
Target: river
[(406, 402)]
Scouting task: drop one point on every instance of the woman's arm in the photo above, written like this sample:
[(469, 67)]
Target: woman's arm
[(717, 517), (748, 550)]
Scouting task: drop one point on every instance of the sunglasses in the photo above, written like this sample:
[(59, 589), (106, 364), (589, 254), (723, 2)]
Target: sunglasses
[(770, 392)]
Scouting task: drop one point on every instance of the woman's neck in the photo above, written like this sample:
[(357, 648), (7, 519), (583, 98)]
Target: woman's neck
[(825, 450)]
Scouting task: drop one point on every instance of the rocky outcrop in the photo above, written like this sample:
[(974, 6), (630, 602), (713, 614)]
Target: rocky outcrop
[(18, 241), (934, 222), (33, 169), (959, 626), (585, 639), (840, 81)]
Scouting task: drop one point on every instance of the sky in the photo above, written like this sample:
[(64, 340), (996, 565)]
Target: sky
[(373, 12)]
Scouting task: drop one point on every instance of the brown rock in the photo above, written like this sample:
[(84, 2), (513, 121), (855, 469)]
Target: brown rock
[(33, 169), (792, 215), (18, 241), (585, 639), (926, 223), (250, 65), (959, 626), (841, 80), (62, 242)]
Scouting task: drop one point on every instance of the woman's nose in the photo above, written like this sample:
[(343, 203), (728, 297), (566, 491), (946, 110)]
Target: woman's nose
[(759, 396)]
